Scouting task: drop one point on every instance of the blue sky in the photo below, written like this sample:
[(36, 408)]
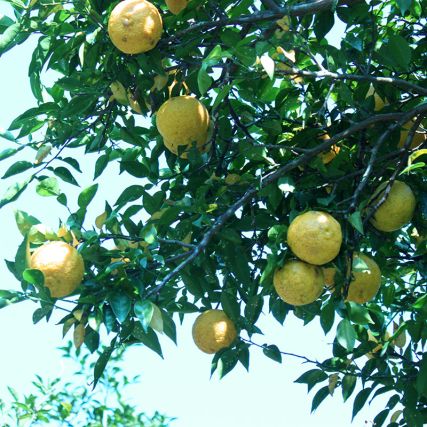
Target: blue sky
[(179, 385)]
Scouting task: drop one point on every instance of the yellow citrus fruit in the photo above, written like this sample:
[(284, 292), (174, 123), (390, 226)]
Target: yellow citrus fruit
[(397, 210), (419, 137), (62, 267), (213, 330), (135, 26), (366, 279), (298, 283), (176, 6), (183, 121), (315, 237)]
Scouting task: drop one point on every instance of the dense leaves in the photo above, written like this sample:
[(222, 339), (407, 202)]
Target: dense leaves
[(282, 87)]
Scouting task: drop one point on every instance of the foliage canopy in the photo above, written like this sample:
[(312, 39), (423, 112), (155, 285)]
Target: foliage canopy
[(283, 87)]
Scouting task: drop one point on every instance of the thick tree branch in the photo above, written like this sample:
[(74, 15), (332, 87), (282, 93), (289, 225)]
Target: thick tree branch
[(302, 9), (274, 176), (411, 87)]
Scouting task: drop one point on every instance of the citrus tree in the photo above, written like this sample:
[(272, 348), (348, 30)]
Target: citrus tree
[(58, 402), (278, 152)]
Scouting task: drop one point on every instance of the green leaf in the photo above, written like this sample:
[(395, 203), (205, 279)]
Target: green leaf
[(100, 165), (230, 305), (102, 361), (65, 175), (323, 24), (327, 316), (355, 219), (311, 378), (25, 221), (346, 335), (359, 314), (148, 338), (10, 297), (87, 195), (7, 39), (421, 382), (144, 311), (35, 277), (360, 401), (396, 52), (9, 136), (272, 352), (404, 5), (130, 194), (13, 192), (121, 305), (204, 80), (348, 385), (48, 187), (319, 397), (22, 257)]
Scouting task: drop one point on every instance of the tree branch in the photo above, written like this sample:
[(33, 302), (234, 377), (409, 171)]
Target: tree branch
[(412, 87), (310, 8)]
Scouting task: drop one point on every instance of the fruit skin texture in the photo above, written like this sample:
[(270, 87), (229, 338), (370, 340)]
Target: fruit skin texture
[(213, 330), (315, 237), (365, 284), (298, 283), (176, 6), (329, 275), (397, 210), (181, 121), (135, 26), (62, 267)]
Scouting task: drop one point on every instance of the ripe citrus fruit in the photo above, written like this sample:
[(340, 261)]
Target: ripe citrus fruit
[(183, 121), (315, 237), (213, 330), (366, 279), (62, 267), (298, 283), (135, 26), (397, 210), (419, 137), (176, 6)]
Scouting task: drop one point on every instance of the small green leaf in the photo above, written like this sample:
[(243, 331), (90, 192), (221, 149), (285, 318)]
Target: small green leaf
[(65, 175), (319, 397), (272, 352), (355, 219), (204, 80), (148, 338), (13, 192), (312, 377), (86, 196), (404, 5), (9, 136), (421, 382), (22, 257), (327, 316), (121, 305), (346, 335), (7, 39), (360, 400), (35, 277), (48, 187), (102, 361), (348, 385), (396, 52), (144, 311), (25, 221)]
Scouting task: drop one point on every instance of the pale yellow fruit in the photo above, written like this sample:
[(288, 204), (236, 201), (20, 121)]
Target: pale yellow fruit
[(366, 281), (328, 156), (397, 210), (315, 237), (176, 6), (213, 330), (183, 121), (62, 267), (298, 283), (418, 139), (135, 26)]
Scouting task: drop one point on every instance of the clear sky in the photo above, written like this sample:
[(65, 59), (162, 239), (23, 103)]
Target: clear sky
[(179, 385)]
